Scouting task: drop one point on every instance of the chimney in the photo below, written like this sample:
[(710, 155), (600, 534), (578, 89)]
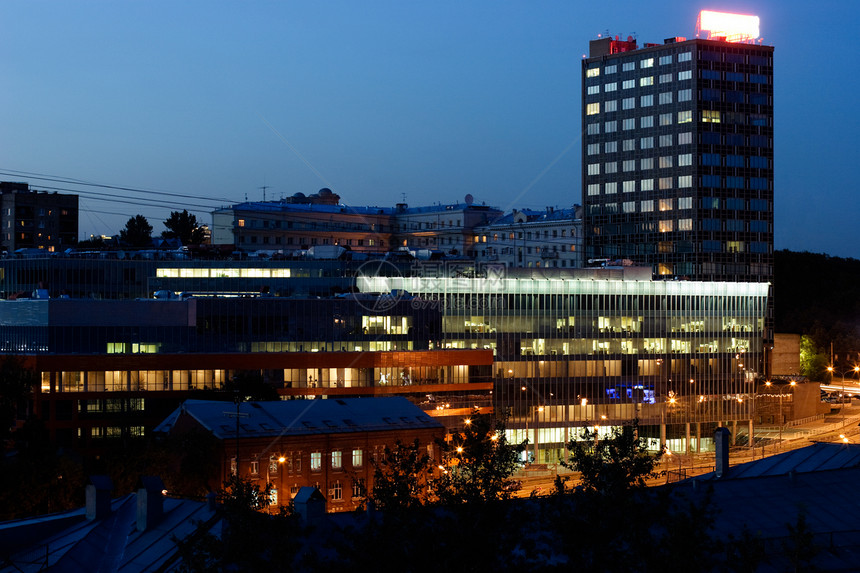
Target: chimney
[(98, 497), (150, 502), (721, 440)]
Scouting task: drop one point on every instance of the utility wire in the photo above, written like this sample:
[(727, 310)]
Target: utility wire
[(71, 181)]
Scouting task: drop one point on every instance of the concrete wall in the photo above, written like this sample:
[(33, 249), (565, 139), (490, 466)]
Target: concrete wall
[(786, 354)]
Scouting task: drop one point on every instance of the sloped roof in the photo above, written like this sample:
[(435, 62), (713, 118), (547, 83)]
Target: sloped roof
[(69, 542), (820, 456), (302, 417)]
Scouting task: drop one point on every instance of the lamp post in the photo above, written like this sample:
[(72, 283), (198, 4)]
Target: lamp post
[(781, 388), (832, 370)]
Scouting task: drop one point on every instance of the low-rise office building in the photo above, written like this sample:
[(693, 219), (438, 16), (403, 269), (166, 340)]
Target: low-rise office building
[(557, 348)]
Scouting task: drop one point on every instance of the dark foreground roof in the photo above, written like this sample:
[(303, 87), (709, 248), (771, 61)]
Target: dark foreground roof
[(69, 541)]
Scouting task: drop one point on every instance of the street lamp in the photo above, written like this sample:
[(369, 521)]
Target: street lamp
[(832, 370), (781, 388), (540, 409)]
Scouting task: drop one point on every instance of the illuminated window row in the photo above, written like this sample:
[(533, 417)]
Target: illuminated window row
[(192, 272)]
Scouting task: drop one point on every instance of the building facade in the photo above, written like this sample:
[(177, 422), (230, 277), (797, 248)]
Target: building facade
[(326, 444), (677, 156), (36, 219), (527, 238), (300, 224)]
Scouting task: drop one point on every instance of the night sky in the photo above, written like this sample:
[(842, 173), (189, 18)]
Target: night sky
[(377, 99)]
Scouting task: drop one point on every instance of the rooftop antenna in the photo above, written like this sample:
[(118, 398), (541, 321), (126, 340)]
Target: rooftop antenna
[(404, 197), (264, 187)]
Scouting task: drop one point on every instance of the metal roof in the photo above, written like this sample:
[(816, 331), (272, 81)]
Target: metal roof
[(817, 457), (69, 542), (302, 417)]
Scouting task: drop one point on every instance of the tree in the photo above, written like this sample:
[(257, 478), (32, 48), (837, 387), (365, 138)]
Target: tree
[(614, 464), (813, 362), (183, 226), (16, 385), (137, 232), (401, 477), (479, 463), (250, 387)]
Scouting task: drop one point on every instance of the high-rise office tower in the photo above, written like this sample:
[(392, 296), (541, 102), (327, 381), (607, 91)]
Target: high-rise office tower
[(678, 152)]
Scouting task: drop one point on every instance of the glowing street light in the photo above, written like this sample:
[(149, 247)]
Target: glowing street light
[(830, 369)]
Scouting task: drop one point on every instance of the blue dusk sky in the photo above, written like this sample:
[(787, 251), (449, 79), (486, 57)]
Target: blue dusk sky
[(210, 101)]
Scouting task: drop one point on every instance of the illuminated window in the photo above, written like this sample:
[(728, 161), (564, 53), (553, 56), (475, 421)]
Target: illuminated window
[(665, 182), (665, 119), (611, 126), (647, 206), (685, 75), (685, 116), (685, 56), (594, 169), (646, 101), (685, 138), (666, 162), (592, 109), (646, 81), (734, 246), (665, 60), (611, 105), (685, 181), (336, 460), (241, 223), (593, 148), (592, 90), (610, 188), (628, 103), (628, 84), (628, 186), (593, 189), (646, 185), (610, 167), (628, 66), (628, 145), (358, 488), (665, 97), (685, 159), (665, 78), (629, 206), (646, 143), (629, 123), (629, 165), (357, 458), (336, 491), (316, 461), (685, 95), (593, 129), (710, 116), (666, 225), (647, 63), (592, 72), (666, 140), (610, 87), (685, 224), (685, 203), (665, 204), (610, 147)]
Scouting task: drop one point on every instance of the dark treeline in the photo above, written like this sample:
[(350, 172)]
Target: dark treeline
[(819, 296)]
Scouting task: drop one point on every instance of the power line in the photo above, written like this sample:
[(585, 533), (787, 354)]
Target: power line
[(71, 181)]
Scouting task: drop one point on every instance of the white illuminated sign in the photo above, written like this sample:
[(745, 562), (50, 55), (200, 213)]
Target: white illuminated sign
[(733, 27)]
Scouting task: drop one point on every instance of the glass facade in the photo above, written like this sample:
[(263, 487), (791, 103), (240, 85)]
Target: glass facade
[(694, 139), (571, 352)]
